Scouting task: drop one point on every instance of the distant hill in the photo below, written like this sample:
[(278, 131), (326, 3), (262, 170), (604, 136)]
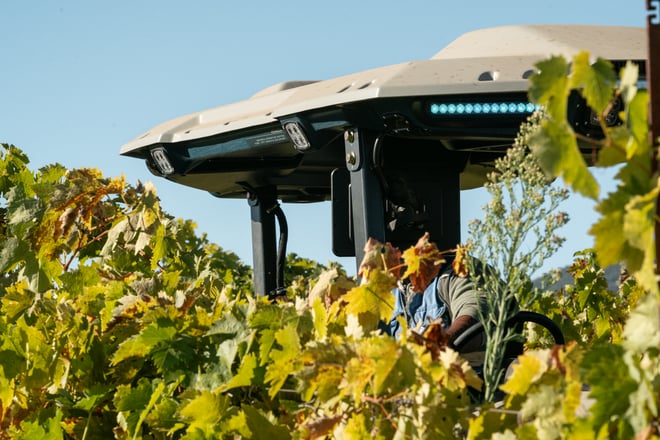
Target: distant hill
[(611, 275)]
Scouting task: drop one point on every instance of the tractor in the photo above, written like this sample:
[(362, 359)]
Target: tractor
[(391, 148)]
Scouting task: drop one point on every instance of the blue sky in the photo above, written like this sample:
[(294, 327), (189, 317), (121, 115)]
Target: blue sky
[(79, 79)]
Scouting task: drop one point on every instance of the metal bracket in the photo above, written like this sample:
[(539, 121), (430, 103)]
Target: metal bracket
[(653, 7), (352, 147), (367, 208)]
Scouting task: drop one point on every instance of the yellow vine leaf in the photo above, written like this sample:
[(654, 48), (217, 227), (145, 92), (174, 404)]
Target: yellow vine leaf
[(460, 263), (329, 288), (458, 374), (528, 369), (423, 262), (382, 256), (372, 300)]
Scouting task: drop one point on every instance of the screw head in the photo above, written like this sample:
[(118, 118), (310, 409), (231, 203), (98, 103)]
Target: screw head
[(349, 136), (351, 159)]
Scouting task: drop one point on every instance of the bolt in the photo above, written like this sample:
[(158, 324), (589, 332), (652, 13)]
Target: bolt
[(349, 136), (351, 159)]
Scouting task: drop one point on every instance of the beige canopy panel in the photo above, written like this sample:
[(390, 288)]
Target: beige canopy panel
[(483, 61)]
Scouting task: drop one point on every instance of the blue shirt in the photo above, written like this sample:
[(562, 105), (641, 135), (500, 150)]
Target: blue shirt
[(447, 297), (419, 312)]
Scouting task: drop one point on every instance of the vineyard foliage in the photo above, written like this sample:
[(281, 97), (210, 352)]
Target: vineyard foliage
[(119, 321)]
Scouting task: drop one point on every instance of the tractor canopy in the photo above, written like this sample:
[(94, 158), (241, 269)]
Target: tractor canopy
[(390, 147)]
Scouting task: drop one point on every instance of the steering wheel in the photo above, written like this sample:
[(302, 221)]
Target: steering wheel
[(514, 322)]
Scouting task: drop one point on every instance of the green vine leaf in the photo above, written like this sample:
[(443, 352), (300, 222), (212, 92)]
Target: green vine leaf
[(554, 143), (204, 411), (596, 80), (641, 333), (244, 375), (285, 358), (372, 301), (549, 87), (556, 148), (142, 344)]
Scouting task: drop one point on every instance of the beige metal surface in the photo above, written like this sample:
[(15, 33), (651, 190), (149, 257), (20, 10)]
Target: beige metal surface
[(611, 42), (483, 61)]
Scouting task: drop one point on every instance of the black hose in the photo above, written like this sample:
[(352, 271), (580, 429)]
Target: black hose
[(281, 248)]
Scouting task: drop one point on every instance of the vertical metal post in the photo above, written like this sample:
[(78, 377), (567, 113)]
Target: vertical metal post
[(653, 79), (264, 252), (368, 212), (653, 67)]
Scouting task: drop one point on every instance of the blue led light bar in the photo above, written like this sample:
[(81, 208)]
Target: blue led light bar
[(482, 108)]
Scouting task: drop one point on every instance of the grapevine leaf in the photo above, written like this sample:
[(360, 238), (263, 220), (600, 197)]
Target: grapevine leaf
[(23, 212), (641, 333), (554, 143), (356, 427), (268, 316), (6, 394), (556, 148), (353, 328), (244, 375), (488, 424), (372, 301), (380, 256), (266, 343), (205, 410), (461, 261), (285, 360), (423, 262), (320, 316), (613, 151), (321, 427), (153, 399), (609, 240), (330, 287), (549, 87), (572, 400), (596, 81), (12, 252), (359, 373), (629, 76), (114, 234), (163, 416), (143, 241), (544, 405), (34, 430), (17, 300), (238, 424), (173, 354), (457, 372), (637, 120), (639, 229), (528, 369), (159, 248), (228, 351), (264, 426), (394, 367), (92, 397), (325, 383), (143, 343), (130, 400), (610, 382)]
